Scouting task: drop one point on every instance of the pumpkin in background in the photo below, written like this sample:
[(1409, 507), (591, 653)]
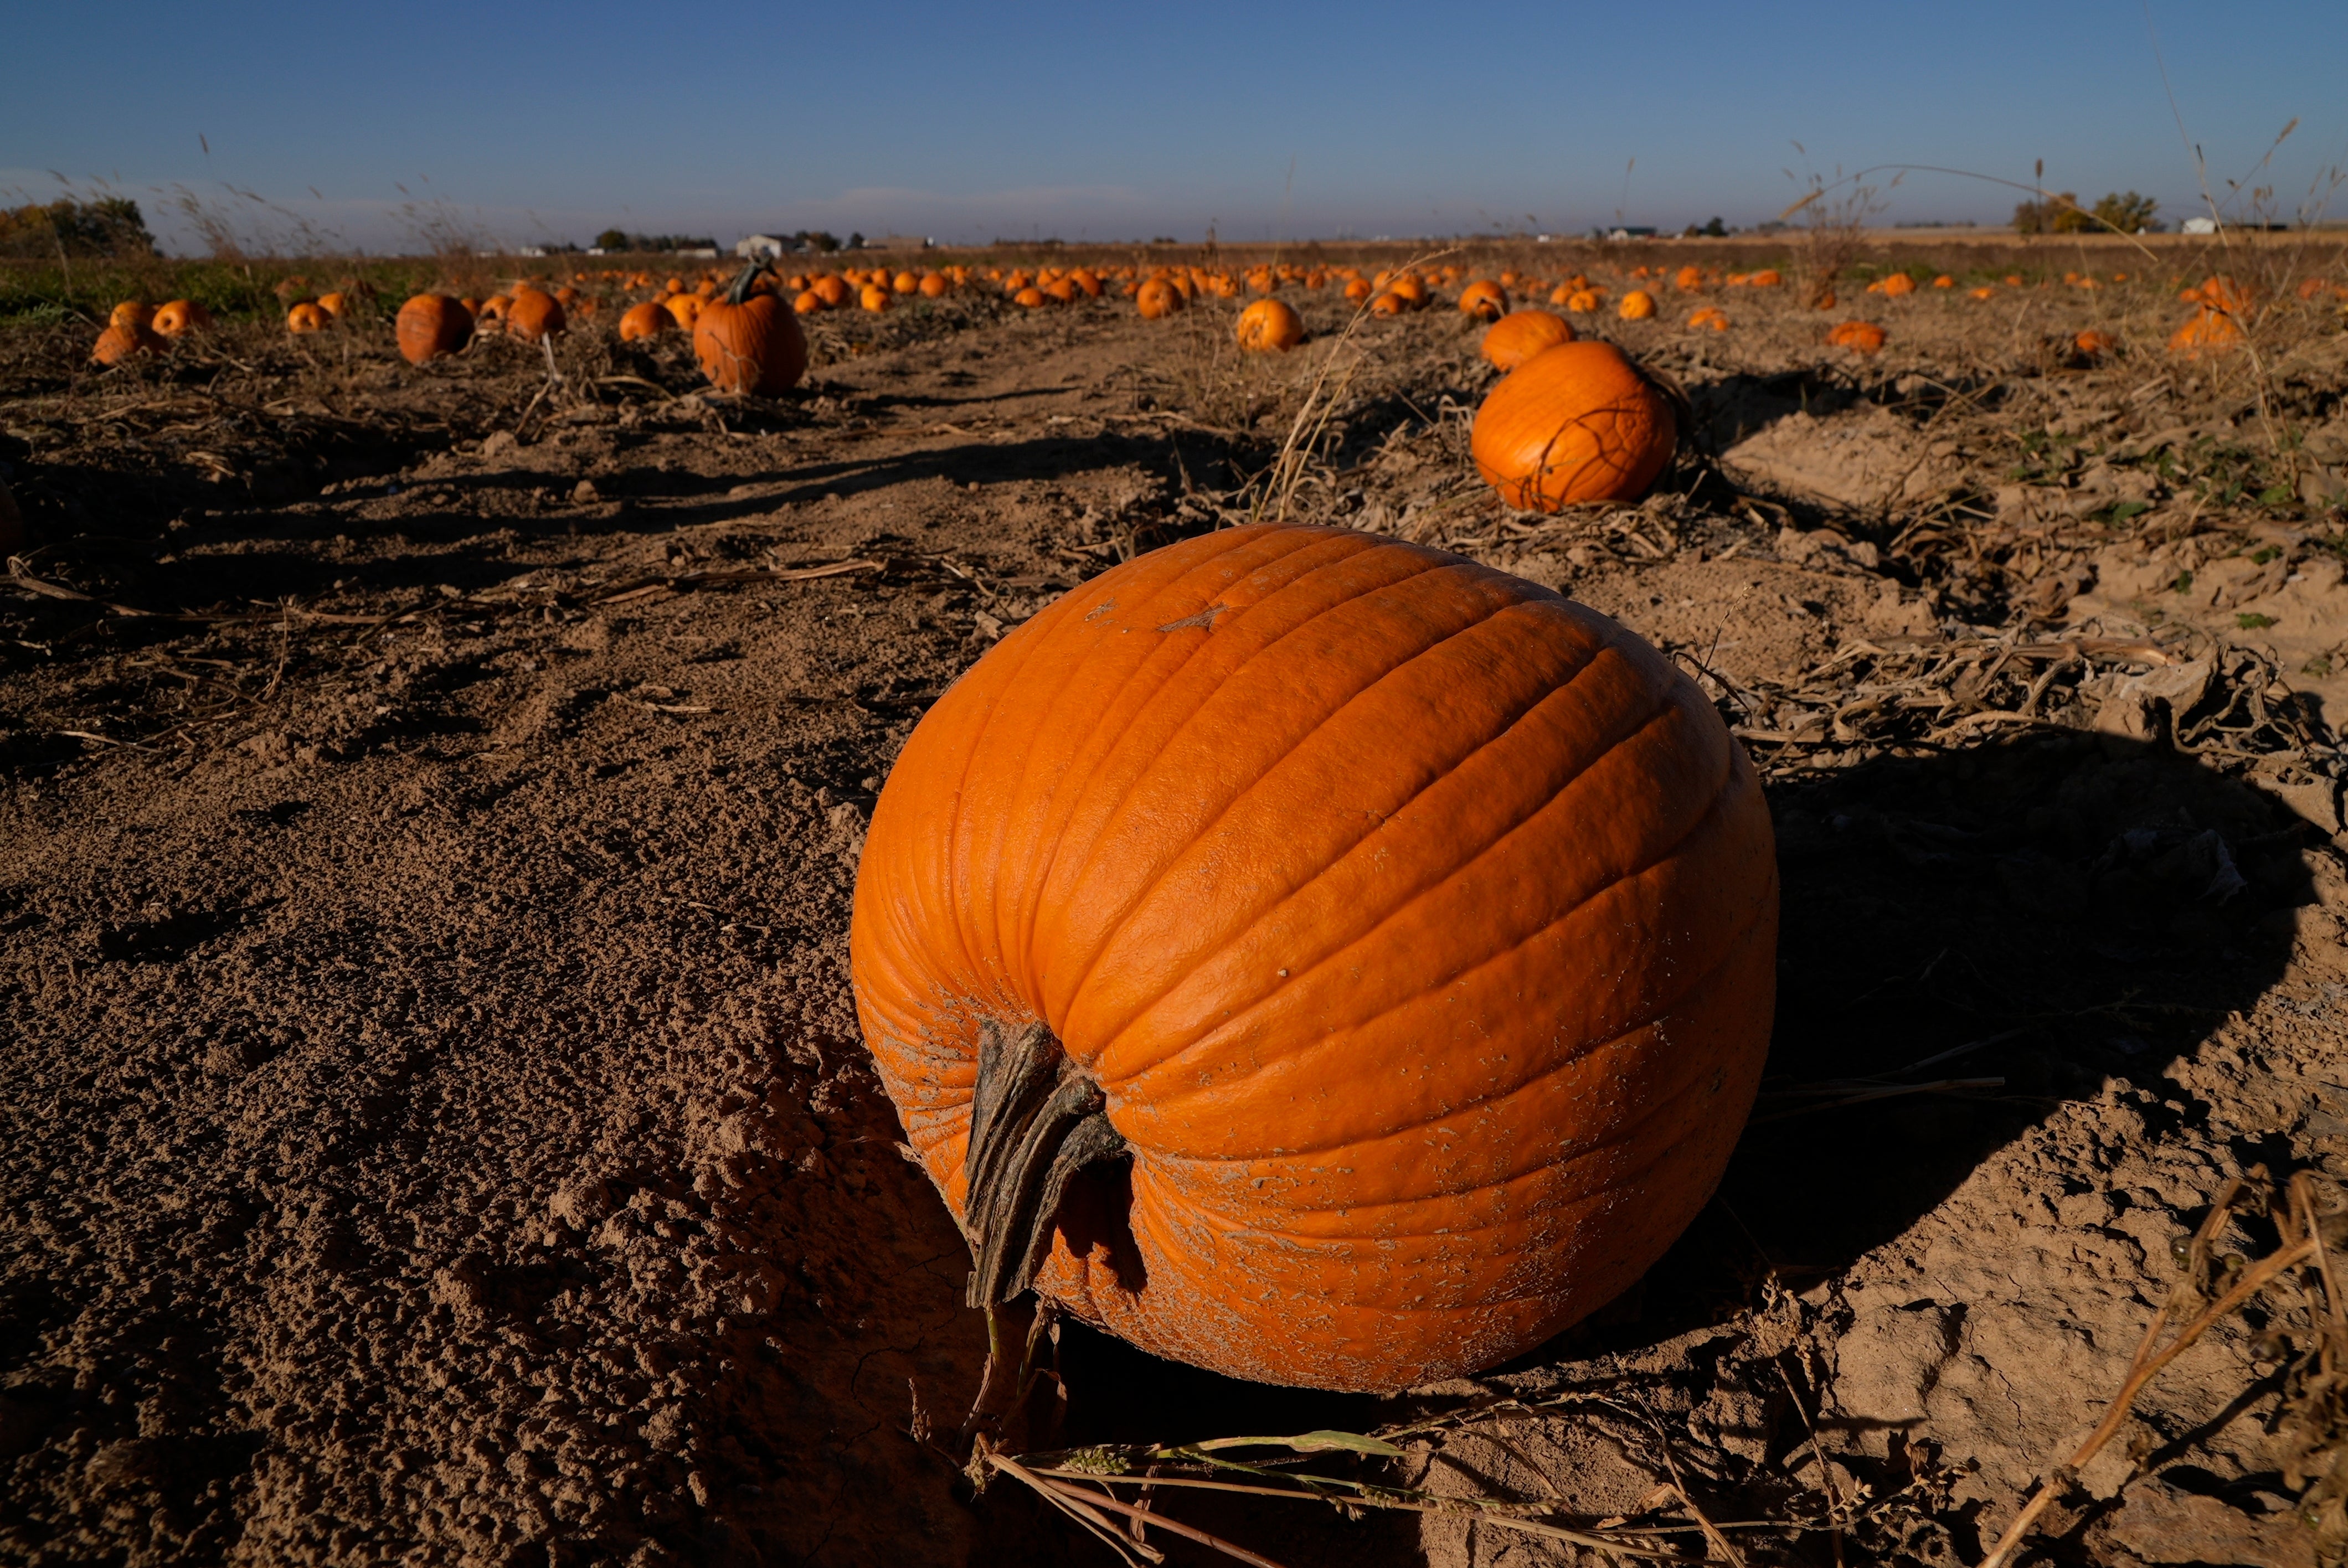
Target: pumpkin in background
[(1983, 292), (1897, 283), (1711, 316), (1576, 422), (1389, 303), (131, 313), (335, 304), (1358, 290), (2210, 331), (1689, 280), (1409, 288), (905, 283), (1945, 281), (1859, 337), (534, 313), (644, 319), (431, 325), (934, 285), (874, 299), (1269, 326), (2094, 344), (1766, 278), (1318, 957), (1636, 306), (304, 316), (1062, 291), (1485, 301), (1520, 334), (1086, 282), (1584, 301), (809, 304), (177, 318), (749, 343), (1157, 299), (831, 290), (683, 309), (1031, 297)]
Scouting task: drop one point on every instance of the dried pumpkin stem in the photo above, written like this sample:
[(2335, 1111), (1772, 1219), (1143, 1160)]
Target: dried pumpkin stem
[(1035, 1120)]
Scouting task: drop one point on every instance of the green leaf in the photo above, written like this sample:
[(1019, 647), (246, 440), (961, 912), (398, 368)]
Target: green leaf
[(2184, 583), (1306, 1443), (2277, 496), (2249, 620), (2123, 510)]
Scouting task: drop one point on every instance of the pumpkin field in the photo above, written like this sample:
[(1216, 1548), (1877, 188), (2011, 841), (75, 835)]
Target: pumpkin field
[(1481, 904)]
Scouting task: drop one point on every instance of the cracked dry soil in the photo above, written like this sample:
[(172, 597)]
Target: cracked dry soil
[(432, 1123)]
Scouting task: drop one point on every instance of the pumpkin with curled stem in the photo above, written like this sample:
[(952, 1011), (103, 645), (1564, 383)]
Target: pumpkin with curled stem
[(1319, 958), (1269, 326), (1520, 334), (750, 343), (533, 314), (1578, 422), (1484, 299)]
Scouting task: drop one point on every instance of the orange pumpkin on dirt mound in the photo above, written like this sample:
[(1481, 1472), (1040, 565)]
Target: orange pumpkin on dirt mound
[(1576, 422), (1520, 334), (749, 343), (1269, 326), (429, 326), (1319, 958), (1859, 337)]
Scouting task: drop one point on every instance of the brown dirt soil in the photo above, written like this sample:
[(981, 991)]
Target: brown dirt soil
[(432, 1121)]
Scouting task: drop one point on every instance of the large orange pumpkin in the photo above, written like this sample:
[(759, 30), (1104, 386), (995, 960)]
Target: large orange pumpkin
[(1319, 958), (749, 343), (1520, 334), (431, 325), (1576, 422), (1269, 326)]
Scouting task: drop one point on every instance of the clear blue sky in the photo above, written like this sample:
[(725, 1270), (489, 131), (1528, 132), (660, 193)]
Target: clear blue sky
[(966, 121)]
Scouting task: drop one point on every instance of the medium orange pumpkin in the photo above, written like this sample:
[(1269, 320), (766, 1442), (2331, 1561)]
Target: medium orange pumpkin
[(1157, 299), (1897, 283), (1389, 303), (1031, 297), (1689, 280), (1318, 957), (1766, 278), (431, 325), (934, 285), (304, 316), (644, 319), (1636, 306), (1357, 289), (749, 343), (873, 298), (178, 317), (1269, 326), (133, 314), (683, 309), (1576, 422), (1520, 334), (533, 314), (2210, 331), (1711, 316), (1485, 301), (119, 342)]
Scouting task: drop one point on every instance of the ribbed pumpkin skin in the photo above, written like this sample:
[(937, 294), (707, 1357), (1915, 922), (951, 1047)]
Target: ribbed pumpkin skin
[(1574, 423), (1520, 334), (1418, 924), (756, 346), (431, 325)]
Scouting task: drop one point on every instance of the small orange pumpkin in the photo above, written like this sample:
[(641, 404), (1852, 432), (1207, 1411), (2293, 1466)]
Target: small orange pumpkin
[(874, 299), (1578, 422), (1689, 280), (1859, 337), (1711, 316), (2211, 331), (1318, 957), (1485, 301), (1766, 278), (1358, 290), (1520, 334), (431, 325), (809, 304), (1031, 297), (2094, 344), (1636, 306), (934, 286), (304, 316), (1269, 326), (1389, 303), (1897, 283), (749, 343)]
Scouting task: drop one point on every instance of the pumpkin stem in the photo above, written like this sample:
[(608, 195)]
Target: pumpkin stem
[(740, 293), (1035, 1122)]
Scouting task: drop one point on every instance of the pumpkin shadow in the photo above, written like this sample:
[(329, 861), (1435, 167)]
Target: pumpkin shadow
[(2022, 925)]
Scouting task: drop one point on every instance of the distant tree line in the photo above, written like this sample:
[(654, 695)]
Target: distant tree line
[(620, 240), (109, 226), (2125, 210)]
